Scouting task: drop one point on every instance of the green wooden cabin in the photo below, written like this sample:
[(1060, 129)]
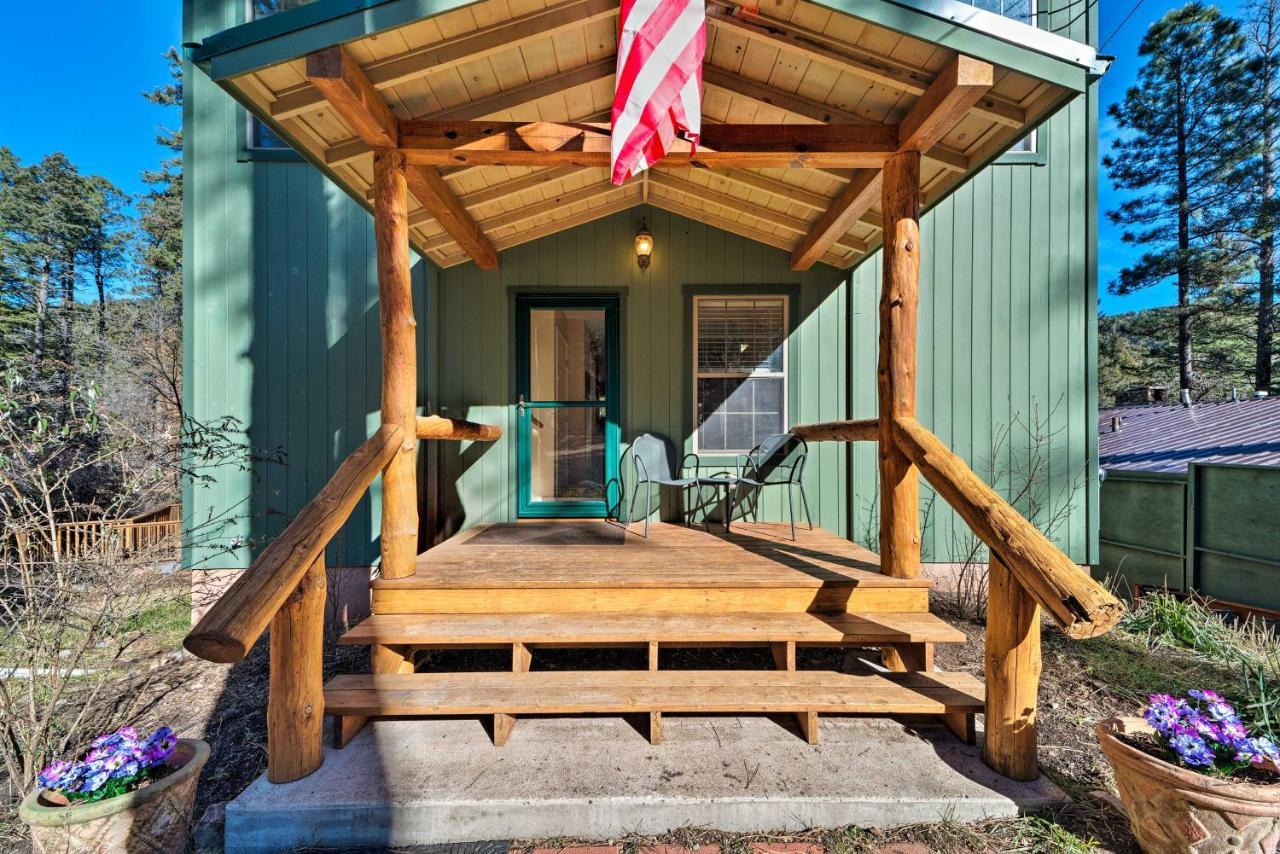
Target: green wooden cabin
[(480, 356), (282, 325)]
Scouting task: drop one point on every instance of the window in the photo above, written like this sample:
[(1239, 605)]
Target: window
[(740, 353), (263, 8), (1026, 145), (1018, 10), (258, 136)]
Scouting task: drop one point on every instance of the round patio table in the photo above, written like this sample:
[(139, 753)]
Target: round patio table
[(728, 482)]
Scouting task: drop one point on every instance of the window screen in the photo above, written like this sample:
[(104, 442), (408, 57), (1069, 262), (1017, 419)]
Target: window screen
[(740, 371)]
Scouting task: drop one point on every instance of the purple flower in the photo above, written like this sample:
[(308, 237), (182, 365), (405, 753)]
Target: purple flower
[(1206, 696), (1256, 751), (1164, 712), (127, 769), (158, 747), (59, 774), (1220, 711), (1192, 750), (93, 778), (1233, 731)]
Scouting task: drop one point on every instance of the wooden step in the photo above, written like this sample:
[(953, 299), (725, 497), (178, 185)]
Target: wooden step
[(487, 630), (708, 600), (596, 566), (809, 692)]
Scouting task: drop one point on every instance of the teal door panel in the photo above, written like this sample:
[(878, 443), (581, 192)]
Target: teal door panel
[(567, 409)]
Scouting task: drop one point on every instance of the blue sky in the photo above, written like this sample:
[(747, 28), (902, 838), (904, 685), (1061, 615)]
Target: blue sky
[(1113, 255), (101, 60), (71, 74)]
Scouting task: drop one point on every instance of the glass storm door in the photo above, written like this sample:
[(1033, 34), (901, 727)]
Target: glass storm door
[(567, 352)]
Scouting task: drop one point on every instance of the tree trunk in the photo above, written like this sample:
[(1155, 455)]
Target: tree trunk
[(1267, 239), (65, 328), (1186, 372), (42, 314), (100, 277)]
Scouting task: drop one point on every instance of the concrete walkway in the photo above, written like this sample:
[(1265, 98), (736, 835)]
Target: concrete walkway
[(420, 782)]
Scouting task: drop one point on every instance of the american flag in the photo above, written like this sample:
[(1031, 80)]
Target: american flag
[(658, 93)]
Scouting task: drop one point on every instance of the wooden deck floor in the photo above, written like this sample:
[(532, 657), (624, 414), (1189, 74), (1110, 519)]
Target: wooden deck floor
[(604, 554)]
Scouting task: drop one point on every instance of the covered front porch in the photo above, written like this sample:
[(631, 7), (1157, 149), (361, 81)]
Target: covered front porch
[(347, 93)]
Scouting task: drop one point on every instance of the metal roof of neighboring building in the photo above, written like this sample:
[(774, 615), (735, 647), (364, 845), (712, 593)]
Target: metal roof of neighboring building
[(1166, 437)]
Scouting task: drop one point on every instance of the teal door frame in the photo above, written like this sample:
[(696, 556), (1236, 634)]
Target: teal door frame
[(527, 508)]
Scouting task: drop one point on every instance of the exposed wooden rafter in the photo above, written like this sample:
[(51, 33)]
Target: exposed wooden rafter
[(584, 144), (897, 75), (671, 181), (962, 82), (429, 188), (666, 203), (525, 235), (799, 105), (505, 190), (403, 67), (499, 102), (346, 88), (856, 200), (528, 212)]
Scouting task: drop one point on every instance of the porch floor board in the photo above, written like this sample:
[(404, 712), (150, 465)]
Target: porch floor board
[(604, 554)]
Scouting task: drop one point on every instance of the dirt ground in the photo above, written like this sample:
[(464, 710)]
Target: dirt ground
[(226, 705)]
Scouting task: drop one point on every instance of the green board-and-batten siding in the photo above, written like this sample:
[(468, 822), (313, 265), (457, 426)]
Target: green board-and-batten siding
[(476, 362), (280, 325), (282, 335)]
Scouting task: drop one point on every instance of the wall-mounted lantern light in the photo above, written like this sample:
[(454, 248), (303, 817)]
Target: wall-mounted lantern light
[(644, 246)]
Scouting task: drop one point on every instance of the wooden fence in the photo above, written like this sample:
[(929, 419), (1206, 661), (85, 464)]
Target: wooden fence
[(1214, 530), (155, 530)]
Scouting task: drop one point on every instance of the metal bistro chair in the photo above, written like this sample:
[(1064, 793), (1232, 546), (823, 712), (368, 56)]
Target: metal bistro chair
[(775, 462), (653, 465)]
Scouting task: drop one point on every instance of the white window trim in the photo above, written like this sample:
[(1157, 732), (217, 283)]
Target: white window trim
[(785, 373), (1033, 148)]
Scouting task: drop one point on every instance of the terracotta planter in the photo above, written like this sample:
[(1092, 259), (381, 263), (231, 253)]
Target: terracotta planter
[(1174, 809), (154, 818)]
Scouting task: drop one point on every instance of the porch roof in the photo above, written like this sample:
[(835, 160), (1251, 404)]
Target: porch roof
[(842, 63)]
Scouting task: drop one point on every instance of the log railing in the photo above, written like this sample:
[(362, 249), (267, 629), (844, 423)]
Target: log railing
[(439, 427), (1027, 573), (285, 589), (236, 621)]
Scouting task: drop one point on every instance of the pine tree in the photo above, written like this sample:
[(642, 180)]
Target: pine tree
[(1174, 157), (106, 238), (1256, 205), (161, 205)]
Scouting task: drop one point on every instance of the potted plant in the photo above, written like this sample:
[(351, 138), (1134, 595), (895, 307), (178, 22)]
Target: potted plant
[(1193, 778), (128, 793)]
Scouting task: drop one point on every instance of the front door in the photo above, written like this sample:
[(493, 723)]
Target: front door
[(567, 352)]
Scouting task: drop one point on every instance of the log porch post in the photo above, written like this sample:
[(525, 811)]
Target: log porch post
[(399, 376), (295, 701), (896, 374), (1012, 669)]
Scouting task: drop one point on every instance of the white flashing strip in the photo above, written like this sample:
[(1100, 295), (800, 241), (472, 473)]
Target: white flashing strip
[(1007, 29)]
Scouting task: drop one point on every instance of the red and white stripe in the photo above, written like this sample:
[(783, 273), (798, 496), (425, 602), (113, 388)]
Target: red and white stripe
[(658, 93)]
